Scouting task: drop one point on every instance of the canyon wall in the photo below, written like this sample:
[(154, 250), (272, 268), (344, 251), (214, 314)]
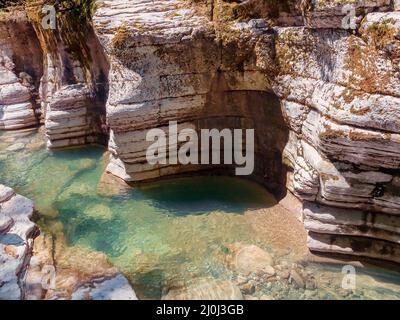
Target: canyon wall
[(320, 88), (20, 72), (73, 87), (337, 87), (339, 91)]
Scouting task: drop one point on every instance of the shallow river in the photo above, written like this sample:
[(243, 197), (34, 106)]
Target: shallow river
[(166, 232)]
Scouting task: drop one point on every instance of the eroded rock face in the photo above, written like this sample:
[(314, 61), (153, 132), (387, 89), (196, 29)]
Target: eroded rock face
[(73, 86), (332, 14), (340, 98), (167, 63), (20, 71), (338, 94)]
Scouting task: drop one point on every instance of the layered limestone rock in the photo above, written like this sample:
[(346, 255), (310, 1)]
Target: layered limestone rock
[(17, 232), (44, 267), (339, 94), (354, 232), (336, 13), (73, 86), (20, 69)]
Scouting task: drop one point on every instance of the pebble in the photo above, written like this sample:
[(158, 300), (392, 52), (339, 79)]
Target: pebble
[(284, 274), (248, 288), (311, 284), (297, 279)]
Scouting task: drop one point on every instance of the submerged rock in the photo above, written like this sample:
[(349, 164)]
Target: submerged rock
[(16, 147), (266, 297), (205, 289), (116, 288), (99, 211), (250, 259), (73, 273), (248, 288), (110, 185), (250, 297)]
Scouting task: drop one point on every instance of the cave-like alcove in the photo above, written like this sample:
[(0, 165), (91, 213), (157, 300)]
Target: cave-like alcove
[(258, 110)]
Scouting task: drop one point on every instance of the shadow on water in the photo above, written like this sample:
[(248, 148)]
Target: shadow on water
[(93, 152), (202, 195)]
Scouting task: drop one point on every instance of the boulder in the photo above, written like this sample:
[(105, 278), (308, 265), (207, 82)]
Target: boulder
[(205, 289), (250, 259)]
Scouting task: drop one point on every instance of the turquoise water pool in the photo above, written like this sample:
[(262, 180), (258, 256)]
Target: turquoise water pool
[(161, 233)]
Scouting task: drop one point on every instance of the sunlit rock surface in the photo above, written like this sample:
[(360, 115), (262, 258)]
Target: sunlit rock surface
[(72, 87), (340, 98)]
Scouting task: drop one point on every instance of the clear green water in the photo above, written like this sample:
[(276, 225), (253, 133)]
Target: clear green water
[(161, 233)]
